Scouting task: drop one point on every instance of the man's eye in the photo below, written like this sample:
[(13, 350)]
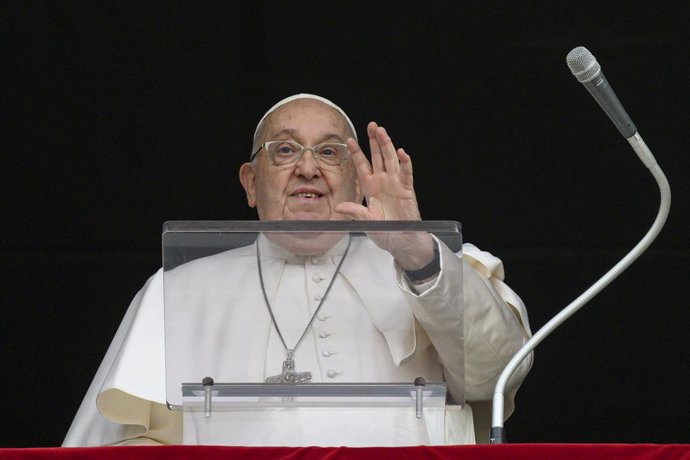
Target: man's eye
[(329, 151), (285, 149)]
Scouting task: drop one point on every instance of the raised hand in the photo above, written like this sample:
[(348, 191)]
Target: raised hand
[(387, 184)]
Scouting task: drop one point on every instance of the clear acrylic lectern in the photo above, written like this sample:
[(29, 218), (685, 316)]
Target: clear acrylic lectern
[(308, 332)]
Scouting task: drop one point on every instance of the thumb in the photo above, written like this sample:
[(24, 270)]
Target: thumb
[(353, 210)]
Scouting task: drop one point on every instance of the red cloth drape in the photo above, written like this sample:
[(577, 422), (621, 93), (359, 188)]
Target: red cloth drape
[(506, 451)]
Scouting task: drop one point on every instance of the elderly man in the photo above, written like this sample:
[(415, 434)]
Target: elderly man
[(307, 165)]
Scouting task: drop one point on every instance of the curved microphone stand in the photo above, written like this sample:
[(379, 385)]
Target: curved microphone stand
[(645, 155)]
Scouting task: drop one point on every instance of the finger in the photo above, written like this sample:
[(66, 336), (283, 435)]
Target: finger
[(359, 159), (406, 175), (353, 210), (390, 157), (375, 148)]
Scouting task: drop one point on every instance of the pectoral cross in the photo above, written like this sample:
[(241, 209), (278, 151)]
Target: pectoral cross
[(289, 374)]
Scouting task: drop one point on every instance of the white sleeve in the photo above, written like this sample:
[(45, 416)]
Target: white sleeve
[(494, 321), (126, 399)]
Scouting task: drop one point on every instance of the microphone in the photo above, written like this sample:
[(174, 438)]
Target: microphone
[(588, 72)]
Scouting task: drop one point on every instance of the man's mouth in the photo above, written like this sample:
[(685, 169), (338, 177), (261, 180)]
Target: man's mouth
[(307, 195)]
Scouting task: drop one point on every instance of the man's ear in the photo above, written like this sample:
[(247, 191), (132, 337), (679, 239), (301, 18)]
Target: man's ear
[(248, 180)]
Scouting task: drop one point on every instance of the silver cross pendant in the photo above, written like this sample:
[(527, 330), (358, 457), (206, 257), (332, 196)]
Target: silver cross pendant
[(289, 374)]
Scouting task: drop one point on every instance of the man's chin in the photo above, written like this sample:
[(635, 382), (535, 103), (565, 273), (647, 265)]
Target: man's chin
[(313, 216), (306, 243)]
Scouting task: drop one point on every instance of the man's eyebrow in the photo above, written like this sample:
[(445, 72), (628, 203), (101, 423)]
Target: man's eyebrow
[(294, 134), (289, 132), (333, 136)]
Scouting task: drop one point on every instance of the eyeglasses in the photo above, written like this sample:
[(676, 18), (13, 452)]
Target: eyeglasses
[(283, 153)]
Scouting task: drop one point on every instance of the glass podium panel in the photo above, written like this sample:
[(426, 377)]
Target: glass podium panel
[(292, 332)]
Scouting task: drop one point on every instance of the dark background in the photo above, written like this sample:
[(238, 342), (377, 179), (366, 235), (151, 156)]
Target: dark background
[(118, 116)]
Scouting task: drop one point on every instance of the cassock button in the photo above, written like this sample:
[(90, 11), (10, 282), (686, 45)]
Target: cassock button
[(324, 334), (318, 297), (322, 317), (327, 354), (332, 374), (316, 278)]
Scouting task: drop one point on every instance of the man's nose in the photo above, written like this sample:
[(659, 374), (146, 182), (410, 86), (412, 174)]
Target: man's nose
[(307, 166)]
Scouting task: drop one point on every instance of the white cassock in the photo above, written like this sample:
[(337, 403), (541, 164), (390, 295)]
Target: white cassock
[(374, 326)]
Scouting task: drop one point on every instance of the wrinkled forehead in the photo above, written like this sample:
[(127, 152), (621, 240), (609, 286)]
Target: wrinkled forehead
[(303, 101), (300, 119)]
